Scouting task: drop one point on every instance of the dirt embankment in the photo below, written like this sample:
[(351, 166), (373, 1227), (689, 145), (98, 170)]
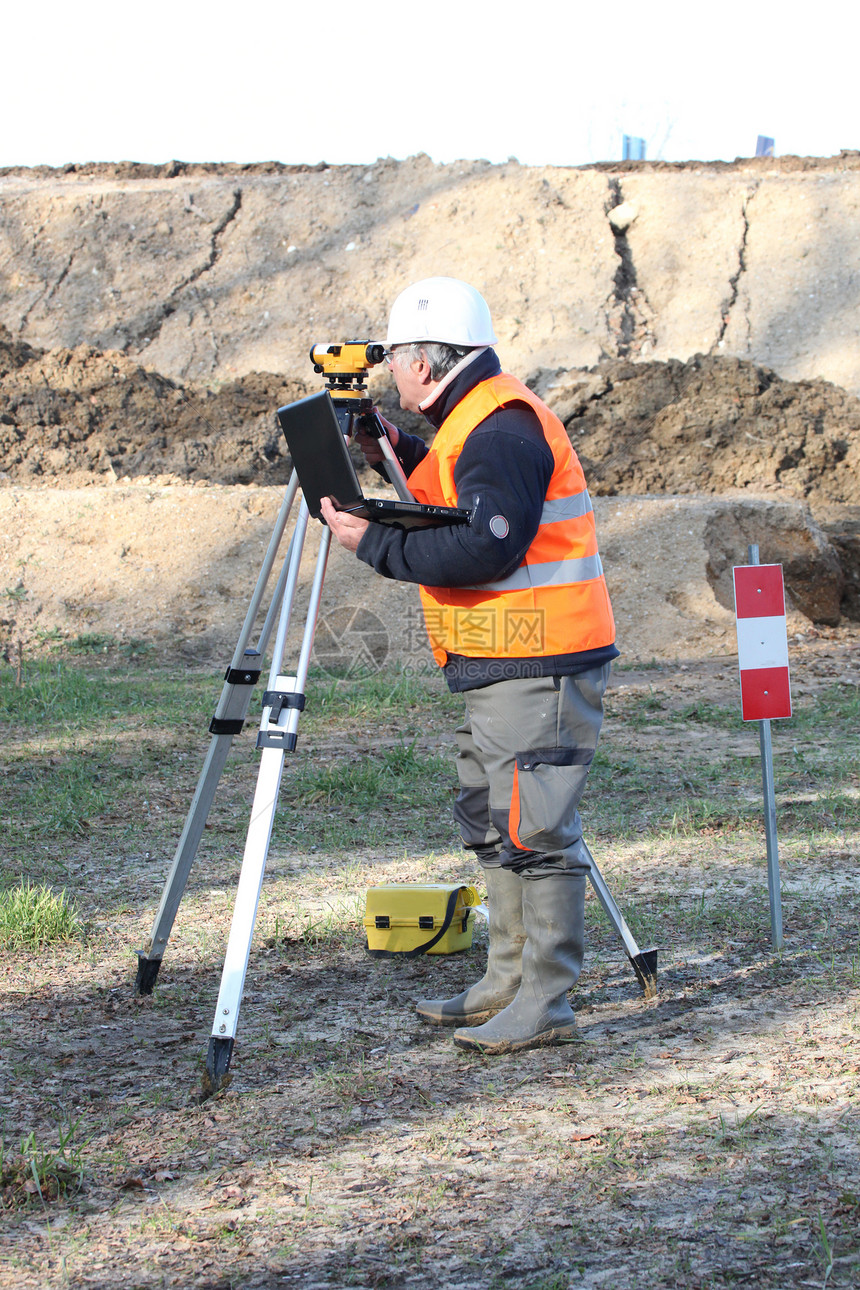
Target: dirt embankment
[(83, 416), (207, 273), (686, 323)]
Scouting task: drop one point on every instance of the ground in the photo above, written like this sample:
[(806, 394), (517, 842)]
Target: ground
[(706, 1136)]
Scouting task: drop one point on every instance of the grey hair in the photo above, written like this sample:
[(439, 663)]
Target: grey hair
[(442, 358)]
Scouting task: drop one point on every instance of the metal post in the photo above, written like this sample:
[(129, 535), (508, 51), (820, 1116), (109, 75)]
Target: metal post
[(773, 884), (770, 834)]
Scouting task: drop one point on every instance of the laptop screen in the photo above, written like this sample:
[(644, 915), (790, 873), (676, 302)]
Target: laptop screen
[(319, 452)]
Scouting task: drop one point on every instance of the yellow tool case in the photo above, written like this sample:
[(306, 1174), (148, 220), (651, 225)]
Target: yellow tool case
[(408, 919)]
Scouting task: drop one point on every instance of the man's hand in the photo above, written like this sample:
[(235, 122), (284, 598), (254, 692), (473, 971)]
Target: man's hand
[(369, 444), (348, 529)]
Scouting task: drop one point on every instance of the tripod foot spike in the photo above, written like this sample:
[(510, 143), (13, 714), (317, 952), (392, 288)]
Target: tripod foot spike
[(147, 971), (644, 964), (216, 1077)]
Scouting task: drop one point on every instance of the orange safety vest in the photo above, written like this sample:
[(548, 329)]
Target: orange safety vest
[(556, 601)]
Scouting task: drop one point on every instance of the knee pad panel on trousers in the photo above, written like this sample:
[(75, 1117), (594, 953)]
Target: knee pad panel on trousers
[(472, 817)]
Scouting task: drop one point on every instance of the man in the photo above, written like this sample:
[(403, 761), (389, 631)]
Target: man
[(519, 619)]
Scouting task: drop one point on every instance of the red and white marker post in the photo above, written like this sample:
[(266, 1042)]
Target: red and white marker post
[(765, 691)]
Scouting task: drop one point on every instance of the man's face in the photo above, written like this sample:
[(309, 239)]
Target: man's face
[(411, 378)]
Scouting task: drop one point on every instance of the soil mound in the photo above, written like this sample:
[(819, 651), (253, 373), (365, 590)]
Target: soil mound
[(709, 425), (78, 415)]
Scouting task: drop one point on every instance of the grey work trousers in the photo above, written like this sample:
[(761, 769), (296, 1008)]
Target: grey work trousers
[(524, 753)]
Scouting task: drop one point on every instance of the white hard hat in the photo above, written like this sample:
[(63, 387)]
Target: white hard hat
[(441, 309)]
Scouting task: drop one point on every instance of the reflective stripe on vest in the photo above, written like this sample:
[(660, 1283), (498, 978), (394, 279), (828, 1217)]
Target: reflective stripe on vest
[(566, 508), (553, 573)]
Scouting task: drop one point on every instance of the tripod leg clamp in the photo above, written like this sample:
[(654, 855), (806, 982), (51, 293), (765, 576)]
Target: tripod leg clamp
[(276, 701), (277, 739), (233, 707), (226, 726)]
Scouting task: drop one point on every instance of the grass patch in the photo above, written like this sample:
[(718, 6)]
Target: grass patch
[(108, 750), (91, 696), (338, 926), (394, 691), (56, 797), (32, 917), (32, 1172), (640, 711), (629, 794), (835, 708), (690, 917), (703, 713), (387, 777)]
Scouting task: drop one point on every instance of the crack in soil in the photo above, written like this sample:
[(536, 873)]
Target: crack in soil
[(629, 316), (49, 294), (151, 326), (734, 281)]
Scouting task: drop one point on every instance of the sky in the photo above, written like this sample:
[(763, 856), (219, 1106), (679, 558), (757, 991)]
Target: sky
[(546, 82)]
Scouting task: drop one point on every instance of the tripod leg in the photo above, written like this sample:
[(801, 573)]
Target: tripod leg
[(371, 422), (236, 710), (244, 917), (643, 962), (230, 715), (282, 703)]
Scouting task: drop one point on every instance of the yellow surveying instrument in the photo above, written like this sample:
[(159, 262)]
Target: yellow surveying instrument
[(345, 368)]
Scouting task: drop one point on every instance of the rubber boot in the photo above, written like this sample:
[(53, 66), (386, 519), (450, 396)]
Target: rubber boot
[(499, 984), (554, 919)]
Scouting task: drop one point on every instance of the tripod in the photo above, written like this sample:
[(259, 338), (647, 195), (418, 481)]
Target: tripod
[(283, 702)]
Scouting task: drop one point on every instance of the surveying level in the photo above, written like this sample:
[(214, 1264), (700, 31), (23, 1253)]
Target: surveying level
[(345, 367)]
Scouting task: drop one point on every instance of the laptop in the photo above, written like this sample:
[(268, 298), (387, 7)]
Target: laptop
[(325, 468)]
